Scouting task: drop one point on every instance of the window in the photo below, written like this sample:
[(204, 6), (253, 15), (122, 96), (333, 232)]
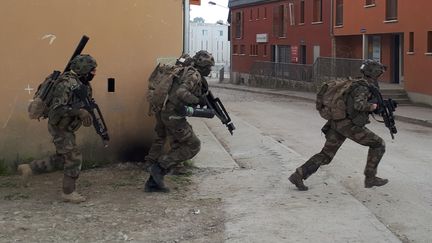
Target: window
[(220, 32), (302, 12), (242, 50), (411, 42), (291, 11), (258, 15), (391, 10), (429, 42), (253, 50), (264, 50), (265, 13), (235, 49), (279, 20), (370, 2), (339, 12), (317, 11), (251, 15), (204, 32), (238, 25)]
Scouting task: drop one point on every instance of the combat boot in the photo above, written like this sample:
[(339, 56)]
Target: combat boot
[(152, 186), (25, 171), (374, 181), (158, 173), (297, 179), (73, 197)]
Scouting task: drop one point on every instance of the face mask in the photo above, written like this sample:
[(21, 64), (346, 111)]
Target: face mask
[(204, 71), (87, 78)]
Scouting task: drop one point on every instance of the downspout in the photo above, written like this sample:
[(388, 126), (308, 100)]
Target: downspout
[(332, 39), (186, 26), (332, 36)]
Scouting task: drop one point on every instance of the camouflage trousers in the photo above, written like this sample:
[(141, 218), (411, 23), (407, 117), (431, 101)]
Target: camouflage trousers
[(336, 132), (67, 156), (183, 143)]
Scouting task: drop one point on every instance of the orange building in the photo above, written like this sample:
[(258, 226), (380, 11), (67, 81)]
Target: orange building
[(397, 33), (127, 38)]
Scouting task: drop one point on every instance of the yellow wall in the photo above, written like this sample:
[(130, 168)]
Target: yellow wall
[(127, 37)]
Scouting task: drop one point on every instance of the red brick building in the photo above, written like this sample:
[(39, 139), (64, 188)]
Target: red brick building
[(397, 33), (286, 31)]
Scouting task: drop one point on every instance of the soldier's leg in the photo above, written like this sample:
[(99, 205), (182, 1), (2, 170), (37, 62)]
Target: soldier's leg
[(187, 145), (333, 142), (45, 165), (157, 146), (376, 145), (65, 144)]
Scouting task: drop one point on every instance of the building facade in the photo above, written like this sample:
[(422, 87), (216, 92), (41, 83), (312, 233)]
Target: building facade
[(396, 33), (127, 38), (288, 31), (212, 38)]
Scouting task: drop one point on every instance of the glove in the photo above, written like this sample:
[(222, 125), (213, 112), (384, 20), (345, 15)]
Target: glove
[(85, 117), (202, 101)]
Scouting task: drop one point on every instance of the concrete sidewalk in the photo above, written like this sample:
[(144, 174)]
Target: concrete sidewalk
[(407, 113), (259, 203)]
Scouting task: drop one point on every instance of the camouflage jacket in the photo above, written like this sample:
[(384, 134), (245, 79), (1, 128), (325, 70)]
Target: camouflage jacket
[(187, 88), (61, 111), (358, 105)]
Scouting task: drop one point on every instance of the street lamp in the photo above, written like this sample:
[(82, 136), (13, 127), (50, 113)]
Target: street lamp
[(215, 4)]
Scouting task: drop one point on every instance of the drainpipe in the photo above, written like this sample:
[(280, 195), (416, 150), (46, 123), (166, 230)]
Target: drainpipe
[(332, 36), (186, 26), (365, 43)]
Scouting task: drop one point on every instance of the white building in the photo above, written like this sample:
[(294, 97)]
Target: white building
[(212, 38)]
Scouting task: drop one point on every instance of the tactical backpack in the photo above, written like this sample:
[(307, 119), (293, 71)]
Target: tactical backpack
[(330, 100), (159, 85), (39, 106)]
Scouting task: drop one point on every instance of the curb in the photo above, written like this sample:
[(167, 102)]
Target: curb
[(406, 119)]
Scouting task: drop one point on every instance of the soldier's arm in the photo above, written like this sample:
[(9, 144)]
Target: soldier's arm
[(189, 83), (361, 96)]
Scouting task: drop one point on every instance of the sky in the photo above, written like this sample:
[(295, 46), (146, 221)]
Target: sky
[(210, 13)]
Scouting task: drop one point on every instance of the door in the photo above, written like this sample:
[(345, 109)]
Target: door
[(396, 59), (303, 54)]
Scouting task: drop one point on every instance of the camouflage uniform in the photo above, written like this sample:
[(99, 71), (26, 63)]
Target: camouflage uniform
[(187, 90), (63, 121), (184, 144), (352, 127), (62, 124)]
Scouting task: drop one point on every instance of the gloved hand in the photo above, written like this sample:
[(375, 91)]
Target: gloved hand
[(202, 101), (85, 117)]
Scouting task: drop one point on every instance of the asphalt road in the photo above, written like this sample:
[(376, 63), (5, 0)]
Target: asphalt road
[(404, 206)]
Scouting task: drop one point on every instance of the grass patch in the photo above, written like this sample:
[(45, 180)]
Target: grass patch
[(16, 196), (85, 183), (4, 169), (119, 184), (86, 164), (8, 184), (181, 180)]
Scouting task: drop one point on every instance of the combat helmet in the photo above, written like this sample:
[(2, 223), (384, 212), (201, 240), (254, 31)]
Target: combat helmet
[(203, 59), (372, 69), (83, 64)]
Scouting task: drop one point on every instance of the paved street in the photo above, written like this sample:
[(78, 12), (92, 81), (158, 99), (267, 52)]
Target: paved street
[(275, 135)]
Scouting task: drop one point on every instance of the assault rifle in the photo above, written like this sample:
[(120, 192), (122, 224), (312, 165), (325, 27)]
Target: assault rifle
[(218, 108), (385, 109), (46, 89), (214, 108), (81, 92)]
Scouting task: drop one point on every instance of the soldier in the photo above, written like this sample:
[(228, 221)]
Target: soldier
[(359, 105), (189, 89), (63, 122)]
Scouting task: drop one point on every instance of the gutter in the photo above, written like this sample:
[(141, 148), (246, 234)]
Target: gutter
[(186, 26)]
